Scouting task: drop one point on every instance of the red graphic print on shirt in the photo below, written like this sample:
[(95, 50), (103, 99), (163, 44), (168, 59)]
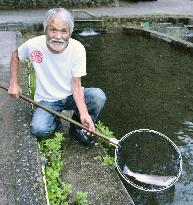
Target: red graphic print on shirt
[(37, 56)]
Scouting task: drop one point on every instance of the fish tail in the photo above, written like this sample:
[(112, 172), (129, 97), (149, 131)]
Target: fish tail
[(127, 171)]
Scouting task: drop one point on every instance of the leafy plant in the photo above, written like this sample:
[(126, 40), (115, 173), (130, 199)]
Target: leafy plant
[(108, 160), (81, 198), (31, 77), (103, 129), (58, 191)]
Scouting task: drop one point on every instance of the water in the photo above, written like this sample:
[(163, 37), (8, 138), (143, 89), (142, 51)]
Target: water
[(88, 32), (148, 84), (139, 152)]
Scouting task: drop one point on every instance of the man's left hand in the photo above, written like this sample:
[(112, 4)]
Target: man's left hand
[(86, 120)]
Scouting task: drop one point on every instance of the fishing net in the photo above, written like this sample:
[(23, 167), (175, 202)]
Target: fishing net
[(151, 154)]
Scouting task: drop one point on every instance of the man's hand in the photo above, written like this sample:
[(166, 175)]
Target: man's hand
[(78, 94), (86, 120), (14, 90)]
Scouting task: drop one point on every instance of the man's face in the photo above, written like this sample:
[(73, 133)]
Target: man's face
[(58, 35)]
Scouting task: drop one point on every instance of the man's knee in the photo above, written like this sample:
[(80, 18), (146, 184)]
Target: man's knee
[(96, 97), (39, 131), (99, 97)]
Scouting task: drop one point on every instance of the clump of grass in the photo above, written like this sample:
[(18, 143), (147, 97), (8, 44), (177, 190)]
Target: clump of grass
[(81, 198), (58, 191), (31, 77), (104, 129), (109, 161), (108, 158)]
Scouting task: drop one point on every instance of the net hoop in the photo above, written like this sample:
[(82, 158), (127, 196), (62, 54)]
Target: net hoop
[(140, 187)]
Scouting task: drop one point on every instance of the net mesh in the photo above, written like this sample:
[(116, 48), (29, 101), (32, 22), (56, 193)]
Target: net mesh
[(149, 153)]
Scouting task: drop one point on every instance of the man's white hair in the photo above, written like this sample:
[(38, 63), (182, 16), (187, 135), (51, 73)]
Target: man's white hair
[(62, 14)]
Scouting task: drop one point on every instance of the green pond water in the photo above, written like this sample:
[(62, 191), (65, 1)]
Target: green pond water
[(148, 84)]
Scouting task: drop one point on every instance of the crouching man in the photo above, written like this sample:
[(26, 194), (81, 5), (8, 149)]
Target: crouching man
[(59, 63)]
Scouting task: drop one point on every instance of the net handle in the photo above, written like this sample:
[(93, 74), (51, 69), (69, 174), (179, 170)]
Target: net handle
[(112, 140)]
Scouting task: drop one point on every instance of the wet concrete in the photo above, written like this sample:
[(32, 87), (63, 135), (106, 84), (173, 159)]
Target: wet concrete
[(20, 177)]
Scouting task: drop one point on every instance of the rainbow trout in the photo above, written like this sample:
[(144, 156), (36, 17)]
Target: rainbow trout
[(150, 179)]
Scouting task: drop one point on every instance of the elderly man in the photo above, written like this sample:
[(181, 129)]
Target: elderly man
[(59, 63)]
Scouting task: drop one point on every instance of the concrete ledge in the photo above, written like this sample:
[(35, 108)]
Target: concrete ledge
[(169, 39)]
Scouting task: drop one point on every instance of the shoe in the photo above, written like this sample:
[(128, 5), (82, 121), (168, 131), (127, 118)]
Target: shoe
[(59, 126), (81, 136)]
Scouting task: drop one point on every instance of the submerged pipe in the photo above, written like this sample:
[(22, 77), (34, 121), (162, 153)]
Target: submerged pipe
[(113, 141)]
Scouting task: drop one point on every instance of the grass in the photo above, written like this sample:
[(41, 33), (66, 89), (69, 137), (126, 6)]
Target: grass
[(31, 77), (81, 198), (59, 192), (108, 159)]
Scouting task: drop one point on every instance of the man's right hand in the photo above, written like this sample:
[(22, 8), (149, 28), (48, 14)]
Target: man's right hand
[(14, 90)]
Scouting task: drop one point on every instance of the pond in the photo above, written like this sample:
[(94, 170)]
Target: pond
[(148, 84)]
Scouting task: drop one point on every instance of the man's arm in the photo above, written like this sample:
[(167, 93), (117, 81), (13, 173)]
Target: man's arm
[(78, 95), (14, 89)]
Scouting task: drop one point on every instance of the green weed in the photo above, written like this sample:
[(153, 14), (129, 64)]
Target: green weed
[(108, 160), (103, 129), (81, 198), (58, 191), (31, 77)]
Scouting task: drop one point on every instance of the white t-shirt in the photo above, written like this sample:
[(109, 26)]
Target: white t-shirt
[(54, 72)]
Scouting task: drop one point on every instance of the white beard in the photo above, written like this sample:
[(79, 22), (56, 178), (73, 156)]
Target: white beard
[(57, 45)]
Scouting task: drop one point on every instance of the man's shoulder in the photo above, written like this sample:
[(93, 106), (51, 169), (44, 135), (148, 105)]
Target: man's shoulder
[(75, 44), (36, 40)]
